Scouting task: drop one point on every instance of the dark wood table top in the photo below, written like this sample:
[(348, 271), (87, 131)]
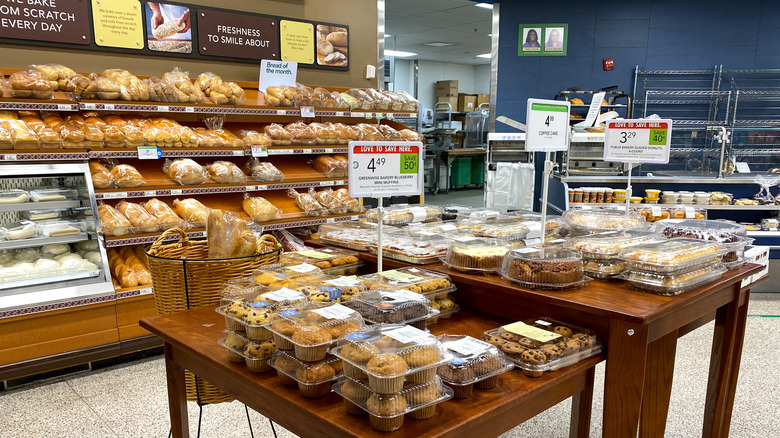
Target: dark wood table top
[(487, 412)]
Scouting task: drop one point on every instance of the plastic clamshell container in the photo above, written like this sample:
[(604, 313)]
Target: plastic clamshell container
[(718, 231), (446, 307), (386, 411), (474, 362), (397, 306), (603, 246), (248, 307), (543, 344), (420, 352), (61, 228), (46, 195), (735, 251), (481, 215), (419, 251), (672, 256), (46, 215), (603, 269), (475, 254), (314, 379), (502, 229), (18, 231), (405, 214), (429, 283), (332, 319), (671, 285), (451, 212), (255, 354), (331, 261), (598, 221), (283, 274), (14, 196), (354, 235), (544, 268), (426, 230)]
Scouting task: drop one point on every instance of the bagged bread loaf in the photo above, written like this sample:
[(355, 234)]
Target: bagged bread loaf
[(125, 175), (263, 171), (113, 222), (370, 132), (30, 84), (133, 136), (206, 80), (227, 93), (192, 210), (389, 133), (185, 171), (208, 139), (229, 236), (131, 87), (57, 74), (341, 101), (260, 209), (112, 135), (228, 139), (275, 96), (334, 205), (6, 141), (101, 177), (93, 136), (225, 172), (134, 263), (77, 84), (166, 217), (121, 272), (254, 138), (301, 133), (21, 136), (330, 166), (409, 135), (362, 99), (142, 221), (381, 101), (352, 204), (187, 92), (278, 135), (343, 133), (307, 202), (325, 132)]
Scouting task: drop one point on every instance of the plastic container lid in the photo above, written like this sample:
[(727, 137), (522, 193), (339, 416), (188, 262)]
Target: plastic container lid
[(61, 228), (406, 214), (308, 374), (415, 397), (481, 215), (545, 267), (718, 231), (510, 230), (603, 269), (425, 230), (323, 258), (608, 245), (45, 195), (243, 346), (412, 279), (352, 234), (418, 250), (671, 285), (336, 319), (476, 254), (543, 344), (398, 306), (473, 361), (8, 196), (672, 256), (595, 221), (282, 274)]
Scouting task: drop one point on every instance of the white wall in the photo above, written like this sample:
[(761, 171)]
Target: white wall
[(404, 76), (482, 79), (472, 79)]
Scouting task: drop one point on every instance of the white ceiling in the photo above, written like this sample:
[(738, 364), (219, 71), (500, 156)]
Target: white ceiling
[(412, 23)]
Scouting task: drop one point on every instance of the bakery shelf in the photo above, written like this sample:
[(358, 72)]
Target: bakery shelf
[(611, 179), (130, 292), (296, 185), (149, 192), (145, 239), (26, 206), (169, 153), (303, 150), (43, 155), (50, 279), (383, 115), (61, 102), (40, 241)]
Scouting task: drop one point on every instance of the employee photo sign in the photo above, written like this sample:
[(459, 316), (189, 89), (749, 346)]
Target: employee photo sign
[(543, 39)]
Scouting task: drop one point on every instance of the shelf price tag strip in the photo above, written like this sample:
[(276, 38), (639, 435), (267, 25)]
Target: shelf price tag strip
[(637, 141), (547, 124), (383, 168)]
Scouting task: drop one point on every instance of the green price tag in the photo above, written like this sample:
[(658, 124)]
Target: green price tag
[(409, 163), (657, 137)]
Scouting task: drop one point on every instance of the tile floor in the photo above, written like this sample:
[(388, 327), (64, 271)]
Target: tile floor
[(129, 400)]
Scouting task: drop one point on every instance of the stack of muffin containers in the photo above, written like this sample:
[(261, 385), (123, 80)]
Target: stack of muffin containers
[(600, 251), (476, 364), (671, 267), (390, 372)]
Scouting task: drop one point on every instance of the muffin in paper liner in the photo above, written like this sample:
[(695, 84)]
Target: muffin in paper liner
[(254, 353), (314, 379)]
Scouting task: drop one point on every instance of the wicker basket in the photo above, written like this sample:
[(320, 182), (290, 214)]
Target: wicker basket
[(184, 277)]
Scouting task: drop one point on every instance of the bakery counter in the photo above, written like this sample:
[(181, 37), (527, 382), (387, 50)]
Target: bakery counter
[(191, 342), (640, 332)]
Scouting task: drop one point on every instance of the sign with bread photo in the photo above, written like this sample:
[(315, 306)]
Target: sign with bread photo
[(332, 45)]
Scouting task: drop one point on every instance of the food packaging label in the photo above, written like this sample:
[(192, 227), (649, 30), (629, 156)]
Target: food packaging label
[(336, 311), (418, 213), (407, 334), (535, 333), (401, 276), (655, 210), (690, 213), (468, 346), (357, 336), (448, 227), (284, 294), (315, 254), (342, 282), (303, 268)]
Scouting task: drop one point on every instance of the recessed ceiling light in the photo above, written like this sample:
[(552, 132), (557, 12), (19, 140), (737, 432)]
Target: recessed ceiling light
[(490, 34), (484, 5), (484, 55), (399, 54), (387, 35), (439, 44)]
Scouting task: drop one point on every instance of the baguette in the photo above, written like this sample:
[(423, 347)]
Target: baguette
[(141, 254), (218, 232)]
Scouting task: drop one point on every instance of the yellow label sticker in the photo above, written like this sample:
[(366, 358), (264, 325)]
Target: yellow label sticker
[(118, 23), (535, 333), (315, 254), (297, 41)]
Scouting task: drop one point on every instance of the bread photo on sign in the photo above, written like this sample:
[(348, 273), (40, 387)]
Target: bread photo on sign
[(332, 45)]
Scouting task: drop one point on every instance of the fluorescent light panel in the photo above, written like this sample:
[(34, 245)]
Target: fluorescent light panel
[(439, 44), (484, 5), (399, 54), (484, 55)]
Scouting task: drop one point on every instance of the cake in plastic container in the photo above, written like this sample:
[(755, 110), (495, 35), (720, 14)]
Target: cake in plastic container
[(475, 254), (672, 256), (544, 268), (671, 285), (395, 306), (475, 364), (405, 214), (543, 344), (603, 269), (598, 221)]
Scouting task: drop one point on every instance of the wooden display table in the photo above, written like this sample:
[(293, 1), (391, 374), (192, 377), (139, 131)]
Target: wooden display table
[(640, 332), (191, 336)]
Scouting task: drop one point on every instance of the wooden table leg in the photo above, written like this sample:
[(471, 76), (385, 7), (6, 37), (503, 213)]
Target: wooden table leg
[(581, 405), (725, 357), (177, 395), (624, 378), (658, 386)]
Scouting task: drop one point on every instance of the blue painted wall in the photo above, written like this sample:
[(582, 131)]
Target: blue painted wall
[(654, 34)]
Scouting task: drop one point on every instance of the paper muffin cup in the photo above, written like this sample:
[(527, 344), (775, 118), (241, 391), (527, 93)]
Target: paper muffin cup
[(282, 343), (353, 371), (258, 333), (314, 390), (386, 424), (234, 325), (284, 379), (387, 385), (530, 373), (462, 391), (488, 383), (256, 365), (234, 357), (311, 354), (352, 408), (422, 376), (423, 413)]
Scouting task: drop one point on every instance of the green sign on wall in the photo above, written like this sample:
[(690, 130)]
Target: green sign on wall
[(543, 39)]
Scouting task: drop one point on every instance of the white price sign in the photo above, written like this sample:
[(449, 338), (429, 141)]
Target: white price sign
[(383, 168), (149, 153), (638, 141), (259, 151), (548, 125)]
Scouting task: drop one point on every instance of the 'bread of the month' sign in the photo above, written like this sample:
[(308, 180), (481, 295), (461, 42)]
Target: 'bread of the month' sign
[(61, 21), (236, 35)]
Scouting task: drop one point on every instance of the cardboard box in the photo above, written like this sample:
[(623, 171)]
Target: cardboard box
[(482, 98), (453, 100), (467, 102), (760, 256), (446, 88)]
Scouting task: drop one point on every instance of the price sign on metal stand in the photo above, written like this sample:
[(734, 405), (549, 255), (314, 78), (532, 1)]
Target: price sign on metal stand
[(384, 168), (547, 131), (637, 141)]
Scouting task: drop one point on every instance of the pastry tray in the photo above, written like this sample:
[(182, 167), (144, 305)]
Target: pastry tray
[(666, 251), (467, 352), (657, 283), (603, 246)]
